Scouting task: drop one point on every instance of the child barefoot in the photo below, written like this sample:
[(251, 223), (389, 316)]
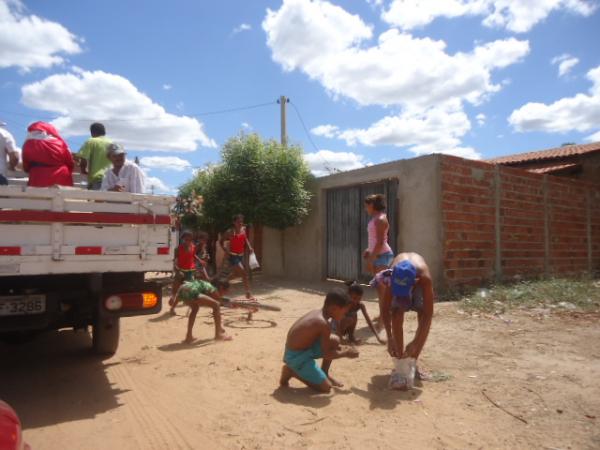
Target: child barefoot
[(347, 325), (202, 293), (310, 338)]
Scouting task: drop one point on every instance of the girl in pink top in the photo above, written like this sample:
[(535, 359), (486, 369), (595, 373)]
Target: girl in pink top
[(379, 254)]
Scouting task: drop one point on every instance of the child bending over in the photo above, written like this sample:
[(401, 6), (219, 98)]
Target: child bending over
[(310, 338), (347, 325), (199, 293)]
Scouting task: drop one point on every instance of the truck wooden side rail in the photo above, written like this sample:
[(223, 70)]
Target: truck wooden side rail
[(71, 258)]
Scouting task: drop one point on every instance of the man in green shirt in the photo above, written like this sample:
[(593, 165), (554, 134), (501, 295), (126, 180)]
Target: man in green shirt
[(93, 159)]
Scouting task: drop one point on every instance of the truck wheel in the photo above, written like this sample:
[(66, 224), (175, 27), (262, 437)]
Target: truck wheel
[(105, 335)]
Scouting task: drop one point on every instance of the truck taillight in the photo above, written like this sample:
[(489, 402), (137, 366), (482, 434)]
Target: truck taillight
[(137, 300), (113, 303)]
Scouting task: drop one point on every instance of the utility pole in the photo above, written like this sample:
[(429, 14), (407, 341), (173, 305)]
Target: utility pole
[(283, 100)]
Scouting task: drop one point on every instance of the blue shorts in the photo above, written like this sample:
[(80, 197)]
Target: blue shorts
[(412, 303), (236, 260), (303, 363), (383, 260)]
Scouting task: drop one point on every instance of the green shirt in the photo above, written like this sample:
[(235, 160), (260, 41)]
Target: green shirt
[(192, 289), (94, 151)]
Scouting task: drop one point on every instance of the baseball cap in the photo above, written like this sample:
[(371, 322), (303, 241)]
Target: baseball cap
[(404, 275), (115, 149)]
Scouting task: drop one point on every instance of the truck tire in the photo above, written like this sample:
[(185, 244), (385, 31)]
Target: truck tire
[(105, 335)]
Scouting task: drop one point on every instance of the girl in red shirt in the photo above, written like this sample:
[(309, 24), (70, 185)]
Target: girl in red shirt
[(238, 242)]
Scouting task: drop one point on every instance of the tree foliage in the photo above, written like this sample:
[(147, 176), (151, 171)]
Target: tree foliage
[(263, 180)]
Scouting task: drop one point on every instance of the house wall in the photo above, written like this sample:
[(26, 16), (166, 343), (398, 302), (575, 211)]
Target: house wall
[(299, 252), (474, 222), (502, 223)]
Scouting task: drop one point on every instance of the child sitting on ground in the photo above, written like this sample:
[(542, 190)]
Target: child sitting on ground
[(347, 325), (310, 338), (202, 293)]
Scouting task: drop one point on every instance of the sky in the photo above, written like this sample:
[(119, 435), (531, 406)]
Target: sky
[(369, 81)]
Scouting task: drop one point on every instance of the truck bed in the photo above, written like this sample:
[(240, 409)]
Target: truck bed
[(68, 230)]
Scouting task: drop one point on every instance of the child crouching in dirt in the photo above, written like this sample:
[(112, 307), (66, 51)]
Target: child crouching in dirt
[(202, 293), (310, 338), (347, 325)]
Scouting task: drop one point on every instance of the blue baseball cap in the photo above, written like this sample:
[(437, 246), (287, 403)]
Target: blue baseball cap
[(404, 275)]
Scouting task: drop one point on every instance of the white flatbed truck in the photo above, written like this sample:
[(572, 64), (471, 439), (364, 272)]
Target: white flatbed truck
[(73, 258)]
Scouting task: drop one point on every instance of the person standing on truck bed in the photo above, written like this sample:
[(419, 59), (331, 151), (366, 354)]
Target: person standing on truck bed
[(93, 158), (8, 150), (124, 176), (46, 157)]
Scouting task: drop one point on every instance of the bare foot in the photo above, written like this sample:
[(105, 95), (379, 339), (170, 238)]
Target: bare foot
[(355, 341), (172, 312), (223, 337), (286, 374), (334, 382), (189, 340)]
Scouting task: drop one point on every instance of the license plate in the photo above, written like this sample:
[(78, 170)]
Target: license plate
[(22, 305)]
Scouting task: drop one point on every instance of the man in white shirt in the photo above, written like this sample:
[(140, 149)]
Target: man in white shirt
[(8, 151), (123, 176)]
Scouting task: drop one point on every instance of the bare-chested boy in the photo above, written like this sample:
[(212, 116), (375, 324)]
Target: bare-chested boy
[(407, 286), (310, 338)]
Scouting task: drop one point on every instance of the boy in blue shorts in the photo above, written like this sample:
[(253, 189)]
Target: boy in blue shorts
[(310, 338), (199, 293)]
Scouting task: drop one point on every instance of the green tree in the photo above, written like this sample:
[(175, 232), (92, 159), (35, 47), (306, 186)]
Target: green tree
[(263, 180)]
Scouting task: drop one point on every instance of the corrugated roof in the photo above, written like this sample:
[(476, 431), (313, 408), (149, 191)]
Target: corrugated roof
[(553, 168), (552, 153)]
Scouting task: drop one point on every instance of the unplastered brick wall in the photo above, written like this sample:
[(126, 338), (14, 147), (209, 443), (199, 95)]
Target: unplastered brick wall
[(501, 223)]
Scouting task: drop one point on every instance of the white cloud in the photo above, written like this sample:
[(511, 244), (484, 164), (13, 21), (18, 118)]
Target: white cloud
[(593, 137), (29, 41), (578, 113), (516, 16), (156, 185), (326, 162), (565, 63), (167, 87), (165, 163), (328, 131), (481, 118), (436, 130), (130, 116), (416, 74), (241, 28), (328, 44), (246, 126)]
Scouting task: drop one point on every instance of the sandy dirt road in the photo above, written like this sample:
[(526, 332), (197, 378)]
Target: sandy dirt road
[(157, 393)]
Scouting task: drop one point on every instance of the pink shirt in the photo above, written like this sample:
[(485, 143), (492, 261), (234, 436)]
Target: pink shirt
[(372, 232)]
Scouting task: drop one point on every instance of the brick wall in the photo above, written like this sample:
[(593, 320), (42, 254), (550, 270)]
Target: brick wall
[(500, 223)]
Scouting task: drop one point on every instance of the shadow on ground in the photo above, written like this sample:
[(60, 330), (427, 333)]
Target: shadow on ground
[(302, 396), (55, 378), (381, 397)]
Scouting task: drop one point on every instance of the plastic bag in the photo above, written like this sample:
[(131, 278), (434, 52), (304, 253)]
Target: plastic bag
[(403, 374), (253, 262)]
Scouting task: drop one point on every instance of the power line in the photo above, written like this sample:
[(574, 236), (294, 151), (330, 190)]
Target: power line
[(199, 114), (326, 163)]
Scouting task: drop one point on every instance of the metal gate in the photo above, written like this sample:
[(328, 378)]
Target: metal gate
[(347, 227)]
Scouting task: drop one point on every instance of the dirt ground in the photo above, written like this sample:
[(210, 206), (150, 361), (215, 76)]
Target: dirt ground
[(157, 393)]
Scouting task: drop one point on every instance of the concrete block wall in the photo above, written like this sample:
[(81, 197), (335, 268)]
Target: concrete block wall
[(501, 223)]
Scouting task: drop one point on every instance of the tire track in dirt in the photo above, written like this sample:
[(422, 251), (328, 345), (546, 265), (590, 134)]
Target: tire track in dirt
[(150, 427)]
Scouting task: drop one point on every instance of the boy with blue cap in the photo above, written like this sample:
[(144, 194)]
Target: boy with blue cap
[(407, 286)]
